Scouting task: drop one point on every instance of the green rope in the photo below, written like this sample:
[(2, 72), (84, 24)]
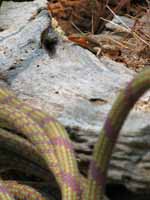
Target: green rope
[(34, 137)]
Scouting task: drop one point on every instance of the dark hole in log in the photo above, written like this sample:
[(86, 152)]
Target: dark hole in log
[(120, 192)]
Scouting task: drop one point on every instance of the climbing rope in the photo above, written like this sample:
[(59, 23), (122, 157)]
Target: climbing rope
[(34, 143)]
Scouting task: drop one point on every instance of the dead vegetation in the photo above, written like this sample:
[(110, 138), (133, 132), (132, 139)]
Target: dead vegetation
[(83, 22), (83, 15), (133, 47)]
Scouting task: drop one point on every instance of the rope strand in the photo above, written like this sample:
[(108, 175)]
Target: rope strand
[(34, 137)]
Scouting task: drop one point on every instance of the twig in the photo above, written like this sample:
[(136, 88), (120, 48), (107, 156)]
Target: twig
[(73, 24)]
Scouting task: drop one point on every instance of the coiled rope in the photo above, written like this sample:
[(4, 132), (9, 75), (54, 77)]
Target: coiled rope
[(29, 132)]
